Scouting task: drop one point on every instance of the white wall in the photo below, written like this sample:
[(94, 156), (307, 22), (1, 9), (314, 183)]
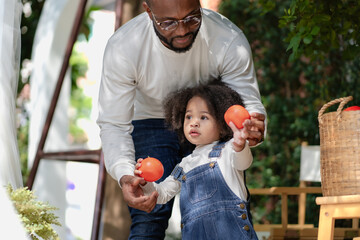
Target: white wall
[(10, 15)]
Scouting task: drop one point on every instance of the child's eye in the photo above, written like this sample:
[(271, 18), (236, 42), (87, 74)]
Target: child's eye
[(204, 118), (188, 117)]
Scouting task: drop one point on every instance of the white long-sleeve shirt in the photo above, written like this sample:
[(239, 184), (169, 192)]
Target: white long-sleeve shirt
[(139, 71), (232, 166)]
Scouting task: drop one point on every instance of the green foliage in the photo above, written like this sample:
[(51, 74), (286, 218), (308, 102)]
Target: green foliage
[(80, 104), (36, 216), (79, 66), (81, 108), (85, 27), (292, 91), (319, 27), (23, 141), (29, 22)]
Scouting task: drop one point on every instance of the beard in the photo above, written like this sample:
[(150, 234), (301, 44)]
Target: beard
[(170, 43)]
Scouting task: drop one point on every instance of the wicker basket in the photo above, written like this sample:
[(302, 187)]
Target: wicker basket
[(340, 150)]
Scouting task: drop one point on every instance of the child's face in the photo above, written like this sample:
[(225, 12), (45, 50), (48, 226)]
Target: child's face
[(199, 126)]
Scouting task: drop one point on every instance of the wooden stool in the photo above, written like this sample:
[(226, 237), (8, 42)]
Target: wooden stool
[(339, 207)]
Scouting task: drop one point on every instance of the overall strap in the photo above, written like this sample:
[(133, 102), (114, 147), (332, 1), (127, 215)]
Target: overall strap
[(216, 150), (178, 172), (216, 153)]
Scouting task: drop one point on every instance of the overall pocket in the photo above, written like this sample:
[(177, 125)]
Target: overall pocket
[(201, 186)]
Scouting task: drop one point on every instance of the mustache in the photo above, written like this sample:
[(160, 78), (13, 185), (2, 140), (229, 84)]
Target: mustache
[(188, 34)]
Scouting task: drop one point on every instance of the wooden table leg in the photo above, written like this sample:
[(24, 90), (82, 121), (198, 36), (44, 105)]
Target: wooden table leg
[(355, 223), (326, 223)]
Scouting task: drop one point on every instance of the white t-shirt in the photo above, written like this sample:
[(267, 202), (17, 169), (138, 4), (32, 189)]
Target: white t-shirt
[(232, 165), (139, 71)]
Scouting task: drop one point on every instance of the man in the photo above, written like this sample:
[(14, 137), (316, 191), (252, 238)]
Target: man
[(173, 45)]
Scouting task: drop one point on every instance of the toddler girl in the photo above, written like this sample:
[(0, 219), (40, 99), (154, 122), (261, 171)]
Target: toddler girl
[(211, 181)]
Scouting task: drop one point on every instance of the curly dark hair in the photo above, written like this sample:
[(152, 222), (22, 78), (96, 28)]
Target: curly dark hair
[(218, 98)]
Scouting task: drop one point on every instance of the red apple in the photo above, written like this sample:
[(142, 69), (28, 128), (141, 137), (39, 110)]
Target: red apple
[(352, 108)]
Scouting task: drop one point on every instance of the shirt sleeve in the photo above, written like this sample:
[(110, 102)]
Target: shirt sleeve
[(238, 72), (167, 189), (242, 160), (116, 109)]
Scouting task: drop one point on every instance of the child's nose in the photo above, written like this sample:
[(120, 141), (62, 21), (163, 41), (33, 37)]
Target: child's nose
[(195, 123)]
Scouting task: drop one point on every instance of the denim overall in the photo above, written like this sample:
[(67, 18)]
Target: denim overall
[(209, 208), (153, 138)]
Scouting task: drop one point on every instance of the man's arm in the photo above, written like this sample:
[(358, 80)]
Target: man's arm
[(239, 73), (116, 108)]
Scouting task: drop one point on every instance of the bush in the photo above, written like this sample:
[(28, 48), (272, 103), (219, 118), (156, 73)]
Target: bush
[(293, 90), (36, 216)]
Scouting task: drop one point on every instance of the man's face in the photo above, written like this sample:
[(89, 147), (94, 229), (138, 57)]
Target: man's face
[(176, 22)]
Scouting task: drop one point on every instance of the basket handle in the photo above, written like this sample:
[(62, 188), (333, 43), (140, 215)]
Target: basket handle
[(342, 102)]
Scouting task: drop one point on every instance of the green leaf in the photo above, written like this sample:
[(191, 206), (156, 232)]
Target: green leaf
[(315, 30), (322, 18), (294, 43), (302, 29), (292, 57), (308, 39), (293, 7)]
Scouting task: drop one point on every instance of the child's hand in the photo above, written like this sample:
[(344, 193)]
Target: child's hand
[(240, 135)]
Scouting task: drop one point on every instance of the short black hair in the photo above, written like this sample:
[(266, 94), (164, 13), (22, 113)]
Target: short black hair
[(218, 98)]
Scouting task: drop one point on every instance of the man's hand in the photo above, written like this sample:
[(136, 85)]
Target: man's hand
[(256, 133), (134, 195), (137, 166)]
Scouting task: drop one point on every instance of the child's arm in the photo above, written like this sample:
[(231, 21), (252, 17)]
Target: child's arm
[(166, 189)]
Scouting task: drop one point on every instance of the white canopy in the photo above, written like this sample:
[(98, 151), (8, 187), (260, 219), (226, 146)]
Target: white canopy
[(10, 17)]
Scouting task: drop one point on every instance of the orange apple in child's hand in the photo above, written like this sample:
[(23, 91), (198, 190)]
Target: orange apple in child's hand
[(353, 108), (151, 169), (236, 114)]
